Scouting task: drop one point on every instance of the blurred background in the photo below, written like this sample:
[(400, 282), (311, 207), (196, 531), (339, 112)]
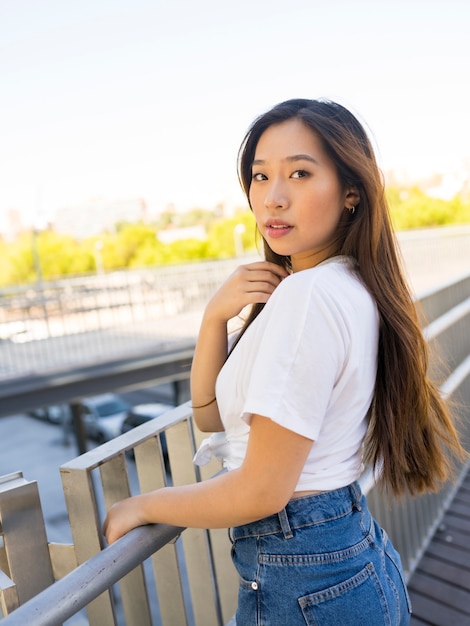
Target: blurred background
[(119, 112)]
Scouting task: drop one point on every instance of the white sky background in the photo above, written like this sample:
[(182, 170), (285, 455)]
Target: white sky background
[(121, 98)]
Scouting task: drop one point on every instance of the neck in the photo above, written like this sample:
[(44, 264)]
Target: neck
[(313, 257)]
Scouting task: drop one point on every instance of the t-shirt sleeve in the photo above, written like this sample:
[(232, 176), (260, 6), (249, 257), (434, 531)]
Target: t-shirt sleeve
[(300, 350)]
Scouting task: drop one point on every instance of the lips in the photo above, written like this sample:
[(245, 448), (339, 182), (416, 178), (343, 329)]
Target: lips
[(277, 229)]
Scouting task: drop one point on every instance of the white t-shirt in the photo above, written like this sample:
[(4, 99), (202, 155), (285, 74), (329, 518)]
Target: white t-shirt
[(308, 362)]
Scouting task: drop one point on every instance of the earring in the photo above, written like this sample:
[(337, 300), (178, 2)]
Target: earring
[(352, 210)]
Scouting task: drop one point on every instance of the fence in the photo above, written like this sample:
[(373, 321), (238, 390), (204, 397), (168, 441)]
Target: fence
[(79, 320), (191, 581)]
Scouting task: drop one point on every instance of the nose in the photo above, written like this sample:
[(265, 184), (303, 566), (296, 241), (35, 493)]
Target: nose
[(276, 197)]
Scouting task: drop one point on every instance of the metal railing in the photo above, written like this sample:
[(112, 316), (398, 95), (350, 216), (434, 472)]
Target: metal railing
[(75, 321), (29, 392), (193, 581), (135, 462)]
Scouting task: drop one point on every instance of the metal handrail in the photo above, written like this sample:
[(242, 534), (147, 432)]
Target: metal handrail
[(68, 595), (29, 392)]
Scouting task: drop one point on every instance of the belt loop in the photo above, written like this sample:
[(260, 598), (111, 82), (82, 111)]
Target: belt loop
[(285, 526), (356, 495)]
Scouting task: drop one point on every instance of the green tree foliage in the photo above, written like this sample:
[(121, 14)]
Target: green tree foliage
[(222, 236), (60, 255), (20, 262), (169, 254), (44, 255), (412, 208)]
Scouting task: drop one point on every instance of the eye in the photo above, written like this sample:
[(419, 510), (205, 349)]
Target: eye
[(300, 174), (258, 176)]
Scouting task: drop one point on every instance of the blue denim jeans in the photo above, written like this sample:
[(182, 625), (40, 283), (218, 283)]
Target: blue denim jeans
[(321, 561)]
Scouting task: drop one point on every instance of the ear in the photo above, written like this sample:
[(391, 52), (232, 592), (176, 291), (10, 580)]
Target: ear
[(351, 197)]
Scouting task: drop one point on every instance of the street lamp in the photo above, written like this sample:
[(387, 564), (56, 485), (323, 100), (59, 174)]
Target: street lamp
[(39, 276)]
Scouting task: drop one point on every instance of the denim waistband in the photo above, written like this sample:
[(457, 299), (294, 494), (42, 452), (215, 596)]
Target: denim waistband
[(305, 511)]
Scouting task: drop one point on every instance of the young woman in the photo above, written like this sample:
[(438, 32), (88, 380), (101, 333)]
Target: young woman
[(328, 373)]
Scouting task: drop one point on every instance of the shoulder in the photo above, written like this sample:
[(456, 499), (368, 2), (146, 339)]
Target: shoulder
[(333, 289), (330, 278)]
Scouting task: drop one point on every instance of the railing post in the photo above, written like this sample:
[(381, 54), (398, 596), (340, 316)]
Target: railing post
[(24, 533), (85, 527), (9, 600), (78, 427)]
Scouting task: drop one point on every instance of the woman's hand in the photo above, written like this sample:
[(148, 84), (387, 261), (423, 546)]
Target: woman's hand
[(123, 517), (249, 284)]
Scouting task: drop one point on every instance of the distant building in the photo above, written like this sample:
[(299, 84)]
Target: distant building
[(449, 186), (98, 215), (12, 224), (444, 185)]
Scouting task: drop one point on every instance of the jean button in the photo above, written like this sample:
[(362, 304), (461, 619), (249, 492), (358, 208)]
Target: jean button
[(254, 586)]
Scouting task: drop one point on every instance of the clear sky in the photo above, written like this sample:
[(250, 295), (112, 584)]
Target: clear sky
[(151, 98)]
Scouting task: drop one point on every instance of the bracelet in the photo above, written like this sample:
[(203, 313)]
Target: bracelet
[(203, 406)]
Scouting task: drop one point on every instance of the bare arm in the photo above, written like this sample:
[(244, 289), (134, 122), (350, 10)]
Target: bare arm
[(249, 284), (261, 486)]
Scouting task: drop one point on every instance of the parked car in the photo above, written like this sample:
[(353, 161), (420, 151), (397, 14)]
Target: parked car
[(142, 413), (56, 413), (103, 416)]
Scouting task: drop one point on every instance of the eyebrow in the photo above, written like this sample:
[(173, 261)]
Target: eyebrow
[(291, 159)]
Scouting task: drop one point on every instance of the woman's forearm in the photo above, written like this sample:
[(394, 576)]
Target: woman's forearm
[(260, 487), (220, 502), (224, 501), (209, 356)]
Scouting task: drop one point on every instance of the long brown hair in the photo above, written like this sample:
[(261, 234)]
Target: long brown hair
[(412, 438)]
